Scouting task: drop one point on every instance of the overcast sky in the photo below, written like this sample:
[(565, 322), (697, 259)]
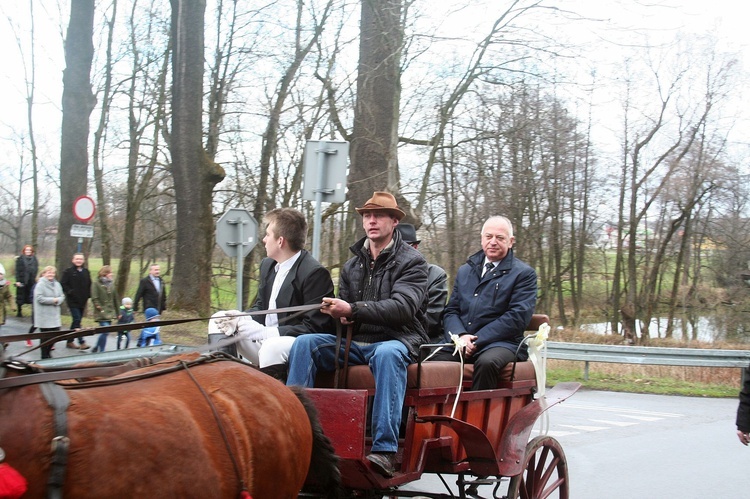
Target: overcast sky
[(619, 25)]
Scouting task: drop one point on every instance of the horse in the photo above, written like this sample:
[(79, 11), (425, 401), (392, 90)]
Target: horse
[(187, 426)]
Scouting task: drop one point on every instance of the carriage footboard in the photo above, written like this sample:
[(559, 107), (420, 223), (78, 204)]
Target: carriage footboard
[(516, 435), (479, 451)]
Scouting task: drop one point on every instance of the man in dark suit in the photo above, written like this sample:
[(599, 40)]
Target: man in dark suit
[(152, 291), (289, 277)]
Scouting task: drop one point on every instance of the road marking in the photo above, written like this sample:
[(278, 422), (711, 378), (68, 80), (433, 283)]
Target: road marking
[(620, 410), (613, 423), (584, 427), (558, 434), (641, 418)]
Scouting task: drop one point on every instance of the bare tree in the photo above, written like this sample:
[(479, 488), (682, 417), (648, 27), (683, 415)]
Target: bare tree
[(195, 175), (77, 104)]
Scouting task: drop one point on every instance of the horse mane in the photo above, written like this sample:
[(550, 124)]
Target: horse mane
[(323, 472)]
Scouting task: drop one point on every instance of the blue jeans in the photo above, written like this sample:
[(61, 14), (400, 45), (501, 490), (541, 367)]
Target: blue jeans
[(101, 342), (76, 314), (387, 360)]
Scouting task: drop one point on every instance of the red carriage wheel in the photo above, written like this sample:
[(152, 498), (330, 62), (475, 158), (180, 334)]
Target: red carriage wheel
[(545, 472)]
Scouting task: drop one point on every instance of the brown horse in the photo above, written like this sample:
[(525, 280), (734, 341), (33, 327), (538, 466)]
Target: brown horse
[(216, 428)]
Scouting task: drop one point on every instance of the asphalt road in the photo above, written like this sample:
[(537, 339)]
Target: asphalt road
[(15, 325), (624, 445)]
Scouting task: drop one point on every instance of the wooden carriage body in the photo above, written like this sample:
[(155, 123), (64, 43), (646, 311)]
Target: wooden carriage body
[(486, 434)]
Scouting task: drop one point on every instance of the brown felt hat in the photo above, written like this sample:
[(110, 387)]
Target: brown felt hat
[(382, 201)]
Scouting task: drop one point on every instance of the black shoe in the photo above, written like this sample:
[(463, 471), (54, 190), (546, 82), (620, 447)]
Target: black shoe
[(277, 371), (383, 463)]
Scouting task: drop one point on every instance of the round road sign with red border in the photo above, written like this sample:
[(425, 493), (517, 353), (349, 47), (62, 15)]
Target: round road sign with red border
[(84, 208)]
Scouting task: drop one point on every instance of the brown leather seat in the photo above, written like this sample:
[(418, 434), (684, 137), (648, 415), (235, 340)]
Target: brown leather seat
[(434, 375)]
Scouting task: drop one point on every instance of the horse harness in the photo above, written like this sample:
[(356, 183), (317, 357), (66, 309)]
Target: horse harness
[(59, 401)]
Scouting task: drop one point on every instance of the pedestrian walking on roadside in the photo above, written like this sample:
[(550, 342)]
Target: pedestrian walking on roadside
[(106, 303), (48, 298), (5, 296), (76, 283), (27, 268), (126, 316), (743, 411)]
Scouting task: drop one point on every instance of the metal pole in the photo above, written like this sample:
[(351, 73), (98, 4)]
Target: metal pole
[(80, 245), (317, 219), (240, 255)]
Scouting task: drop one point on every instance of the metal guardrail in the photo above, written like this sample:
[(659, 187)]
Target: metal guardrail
[(624, 354)]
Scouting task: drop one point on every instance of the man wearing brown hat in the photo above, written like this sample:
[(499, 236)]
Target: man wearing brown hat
[(381, 291), (437, 288)]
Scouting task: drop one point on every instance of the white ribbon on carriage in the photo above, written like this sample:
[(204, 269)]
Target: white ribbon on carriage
[(538, 357)]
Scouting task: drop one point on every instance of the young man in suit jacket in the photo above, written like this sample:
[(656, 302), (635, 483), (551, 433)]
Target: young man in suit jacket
[(289, 277)]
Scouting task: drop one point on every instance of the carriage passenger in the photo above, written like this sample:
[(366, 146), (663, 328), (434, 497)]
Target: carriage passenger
[(491, 304), (437, 288), (289, 277), (381, 292)]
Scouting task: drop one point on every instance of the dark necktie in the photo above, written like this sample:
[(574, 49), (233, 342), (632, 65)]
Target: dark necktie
[(489, 266)]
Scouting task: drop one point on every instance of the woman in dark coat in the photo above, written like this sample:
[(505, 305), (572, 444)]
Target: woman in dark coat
[(27, 268)]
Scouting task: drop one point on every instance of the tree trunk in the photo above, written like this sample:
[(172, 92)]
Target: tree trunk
[(77, 104), (374, 161), (195, 175)]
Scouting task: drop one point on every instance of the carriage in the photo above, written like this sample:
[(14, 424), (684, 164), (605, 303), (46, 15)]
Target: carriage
[(480, 437)]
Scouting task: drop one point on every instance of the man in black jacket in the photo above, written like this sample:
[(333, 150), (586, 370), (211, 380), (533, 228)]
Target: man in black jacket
[(381, 292), (152, 291), (743, 411), (289, 277), (76, 284)]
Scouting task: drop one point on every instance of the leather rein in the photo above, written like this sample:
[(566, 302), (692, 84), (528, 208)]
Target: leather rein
[(110, 370)]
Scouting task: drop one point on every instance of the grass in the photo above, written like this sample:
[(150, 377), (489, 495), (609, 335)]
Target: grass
[(661, 380)]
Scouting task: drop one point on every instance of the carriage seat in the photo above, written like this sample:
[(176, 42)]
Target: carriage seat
[(435, 374)]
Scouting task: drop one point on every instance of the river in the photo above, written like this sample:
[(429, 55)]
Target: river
[(722, 325)]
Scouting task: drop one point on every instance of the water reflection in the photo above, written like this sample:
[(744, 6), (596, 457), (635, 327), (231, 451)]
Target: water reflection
[(731, 326)]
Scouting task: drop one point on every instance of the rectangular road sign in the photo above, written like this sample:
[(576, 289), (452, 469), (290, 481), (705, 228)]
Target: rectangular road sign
[(79, 230)]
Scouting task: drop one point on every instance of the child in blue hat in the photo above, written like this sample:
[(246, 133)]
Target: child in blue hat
[(150, 335)]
